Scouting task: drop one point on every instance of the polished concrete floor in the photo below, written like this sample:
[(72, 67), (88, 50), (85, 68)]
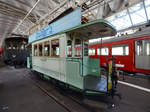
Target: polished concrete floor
[(19, 94)]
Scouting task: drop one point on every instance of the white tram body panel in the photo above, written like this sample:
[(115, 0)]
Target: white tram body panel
[(52, 66)]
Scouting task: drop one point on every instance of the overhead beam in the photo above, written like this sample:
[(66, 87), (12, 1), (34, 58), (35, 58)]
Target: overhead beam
[(26, 15), (12, 10)]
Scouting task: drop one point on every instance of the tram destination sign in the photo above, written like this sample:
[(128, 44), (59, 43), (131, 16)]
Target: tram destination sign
[(71, 20)]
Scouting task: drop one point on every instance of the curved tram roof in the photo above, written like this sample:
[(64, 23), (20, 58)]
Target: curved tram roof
[(95, 29), (91, 30)]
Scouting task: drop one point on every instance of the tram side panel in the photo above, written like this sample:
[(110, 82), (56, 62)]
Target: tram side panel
[(53, 66), (60, 68)]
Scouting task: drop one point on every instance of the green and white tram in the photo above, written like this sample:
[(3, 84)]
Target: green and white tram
[(64, 57)]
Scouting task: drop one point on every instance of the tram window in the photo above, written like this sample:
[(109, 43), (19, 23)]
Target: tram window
[(147, 47), (103, 51), (98, 51), (46, 48), (120, 50), (139, 48), (8, 46), (126, 50), (22, 47), (15, 46), (35, 50), (69, 48), (78, 49), (25, 46), (40, 50), (55, 48), (91, 51), (86, 48)]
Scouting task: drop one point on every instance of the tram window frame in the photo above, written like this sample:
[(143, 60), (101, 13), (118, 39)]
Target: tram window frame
[(14, 47), (47, 44), (125, 47), (100, 51), (69, 46), (139, 48), (91, 51), (147, 47), (86, 48), (8, 46), (142, 47), (78, 48), (35, 52), (54, 48), (40, 50)]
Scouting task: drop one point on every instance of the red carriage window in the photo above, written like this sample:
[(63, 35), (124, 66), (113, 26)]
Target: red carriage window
[(120, 49), (103, 51), (91, 51), (142, 47)]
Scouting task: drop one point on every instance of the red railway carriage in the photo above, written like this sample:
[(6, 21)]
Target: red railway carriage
[(131, 52), (0, 52)]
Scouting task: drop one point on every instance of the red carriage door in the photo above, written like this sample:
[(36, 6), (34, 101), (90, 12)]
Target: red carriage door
[(142, 54)]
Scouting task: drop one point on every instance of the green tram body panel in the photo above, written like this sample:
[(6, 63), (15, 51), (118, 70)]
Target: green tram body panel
[(80, 72)]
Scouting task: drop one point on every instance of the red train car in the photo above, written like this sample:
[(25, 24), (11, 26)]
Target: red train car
[(131, 52), (0, 52)]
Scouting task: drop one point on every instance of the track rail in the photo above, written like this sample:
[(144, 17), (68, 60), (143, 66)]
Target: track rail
[(62, 103)]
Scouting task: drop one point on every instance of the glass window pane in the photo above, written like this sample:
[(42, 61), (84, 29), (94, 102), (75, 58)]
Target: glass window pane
[(117, 51), (104, 51), (40, 50), (126, 50), (120, 20), (147, 6), (147, 47), (91, 51), (98, 51), (139, 48), (22, 47), (86, 48), (55, 47), (137, 14), (35, 50), (8, 46), (69, 48), (46, 48), (78, 48)]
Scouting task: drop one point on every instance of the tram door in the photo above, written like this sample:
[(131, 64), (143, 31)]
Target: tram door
[(142, 54)]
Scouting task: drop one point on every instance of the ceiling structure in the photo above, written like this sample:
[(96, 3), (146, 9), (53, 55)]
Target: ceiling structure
[(28, 16)]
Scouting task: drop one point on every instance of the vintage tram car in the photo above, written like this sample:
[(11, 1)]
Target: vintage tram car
[(57, 56), (15, 51), (132, 52)]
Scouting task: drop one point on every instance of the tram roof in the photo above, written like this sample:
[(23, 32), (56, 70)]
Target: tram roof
[(95, 29), (16, 39), (92, 30)]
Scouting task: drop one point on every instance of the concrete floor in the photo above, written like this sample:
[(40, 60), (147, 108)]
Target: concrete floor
[(19, 94)]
